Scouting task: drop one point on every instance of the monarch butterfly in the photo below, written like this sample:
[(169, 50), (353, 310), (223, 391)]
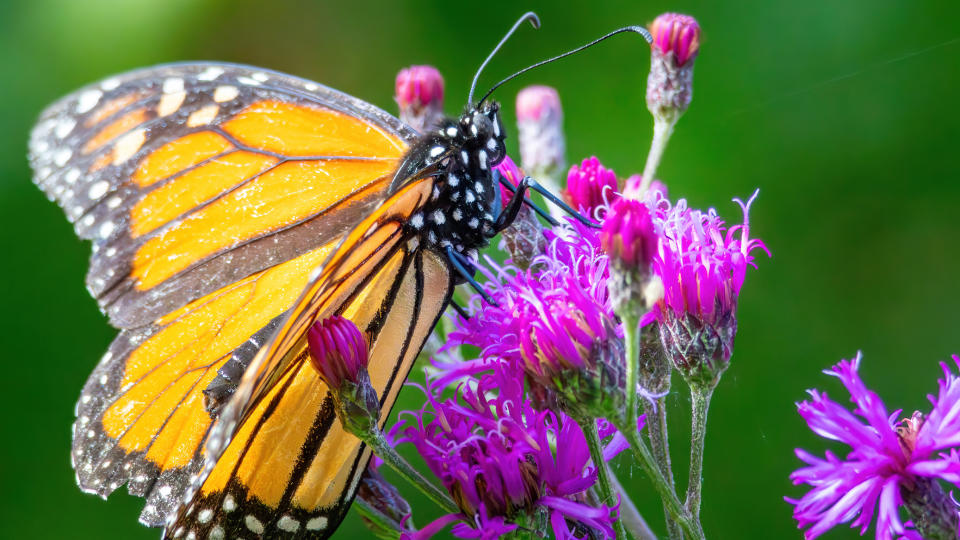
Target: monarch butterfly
[(230, 207)]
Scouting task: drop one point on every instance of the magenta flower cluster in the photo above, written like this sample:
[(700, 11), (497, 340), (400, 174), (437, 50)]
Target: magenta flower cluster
[(891, 463), (502, 459)]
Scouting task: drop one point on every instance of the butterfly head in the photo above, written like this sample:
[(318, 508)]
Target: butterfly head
[(482, 131)]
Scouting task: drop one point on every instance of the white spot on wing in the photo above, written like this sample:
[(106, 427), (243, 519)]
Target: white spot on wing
[(287, 523), (169, 103), (99, 189), (248, 81), (71, 176), (88, 100), (62, 156), (106, 229), (225, 93), (64, 127), (127, 145), (254, 524), (110, 84), (205, 515), (258, 76), (210, 74), (173, 85), (229, 505), (114, 202), (203, 116), (438, 217), (317, 524)]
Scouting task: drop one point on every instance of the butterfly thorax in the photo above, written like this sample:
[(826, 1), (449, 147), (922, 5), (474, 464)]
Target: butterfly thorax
[(460, 153)]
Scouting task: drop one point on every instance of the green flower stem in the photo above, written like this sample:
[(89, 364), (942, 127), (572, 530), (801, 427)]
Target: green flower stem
[(631, 338), (629, 515), (655, 372), (689, 523), (662, 130), (389, 455), (589, 427), (700, 396), (656, 413)]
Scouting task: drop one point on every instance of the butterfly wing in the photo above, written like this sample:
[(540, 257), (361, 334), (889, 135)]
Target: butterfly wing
[(279, 464), (186, 176), (211, 192)]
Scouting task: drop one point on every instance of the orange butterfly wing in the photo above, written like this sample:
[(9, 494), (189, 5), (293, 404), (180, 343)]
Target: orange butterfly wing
[(278, 462), (210, 192)]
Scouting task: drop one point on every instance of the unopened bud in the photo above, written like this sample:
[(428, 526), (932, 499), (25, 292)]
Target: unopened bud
[(339, 353), (676, 42), (419, 93), (628, 237), (540, 128)]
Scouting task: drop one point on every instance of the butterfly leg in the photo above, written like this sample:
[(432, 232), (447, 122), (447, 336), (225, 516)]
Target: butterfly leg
[(508, 215), (459, 309), (529, 183), (460, 264)]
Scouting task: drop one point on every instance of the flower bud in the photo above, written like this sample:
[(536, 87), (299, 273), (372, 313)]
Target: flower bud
[(523, 239), (540, 129), (589, 186), (339, 353), (628, 237), (419, 93), (676, 42)]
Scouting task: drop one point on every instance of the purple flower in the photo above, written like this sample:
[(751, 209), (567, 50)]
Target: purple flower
[(419, 93), (590, 186), (702, 265), (502, 460), (338, 350), (888, 466)]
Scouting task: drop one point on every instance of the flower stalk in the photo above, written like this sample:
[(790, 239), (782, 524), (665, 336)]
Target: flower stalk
[(655, 374), (689, 523), (379, 445), (605, 486), (700, 398)]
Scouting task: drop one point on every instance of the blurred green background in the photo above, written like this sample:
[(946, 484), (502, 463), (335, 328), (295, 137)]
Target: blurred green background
[(843, 113)]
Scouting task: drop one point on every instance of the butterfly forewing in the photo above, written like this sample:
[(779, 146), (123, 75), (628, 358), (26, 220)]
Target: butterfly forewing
[(189, 176)]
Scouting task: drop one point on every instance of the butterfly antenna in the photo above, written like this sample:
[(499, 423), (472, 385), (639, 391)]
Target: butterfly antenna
[(528, 16), (635, 29)]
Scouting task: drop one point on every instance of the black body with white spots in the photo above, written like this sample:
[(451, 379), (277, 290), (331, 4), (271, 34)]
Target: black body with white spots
[(465, 210)]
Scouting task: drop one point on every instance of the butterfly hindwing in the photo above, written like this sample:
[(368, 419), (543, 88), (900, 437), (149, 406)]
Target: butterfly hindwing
[(278, 462), (169, 171)]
